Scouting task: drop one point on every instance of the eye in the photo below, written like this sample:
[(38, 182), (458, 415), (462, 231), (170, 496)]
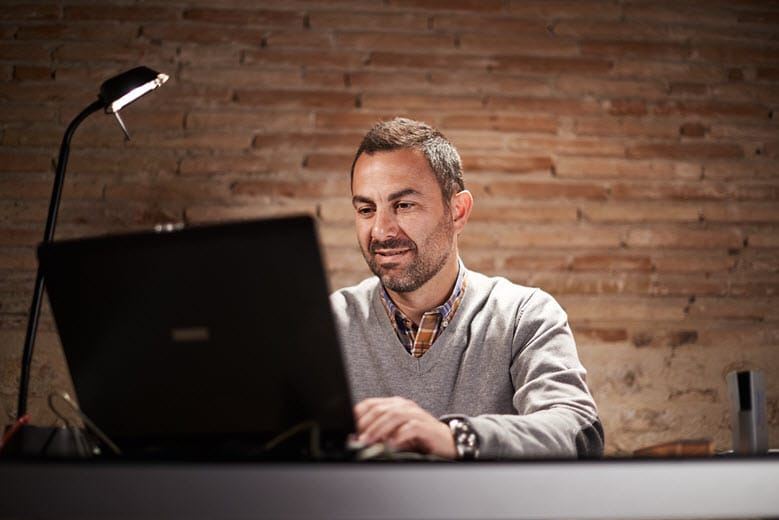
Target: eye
[(404, 205), (364, 211)]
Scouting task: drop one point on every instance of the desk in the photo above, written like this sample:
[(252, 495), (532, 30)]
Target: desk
[(710, 488)]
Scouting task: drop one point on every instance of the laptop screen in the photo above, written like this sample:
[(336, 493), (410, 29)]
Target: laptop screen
[(210, 340)]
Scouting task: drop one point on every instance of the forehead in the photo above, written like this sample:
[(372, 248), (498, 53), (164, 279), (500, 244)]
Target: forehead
[(386, 172)]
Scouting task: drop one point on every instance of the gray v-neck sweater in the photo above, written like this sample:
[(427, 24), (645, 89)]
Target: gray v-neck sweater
[(507, 361)]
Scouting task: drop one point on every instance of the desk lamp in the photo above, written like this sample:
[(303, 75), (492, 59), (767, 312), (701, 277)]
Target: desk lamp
[(115, 94)]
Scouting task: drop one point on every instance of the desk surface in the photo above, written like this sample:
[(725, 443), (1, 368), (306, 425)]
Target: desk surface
[(706, 488)]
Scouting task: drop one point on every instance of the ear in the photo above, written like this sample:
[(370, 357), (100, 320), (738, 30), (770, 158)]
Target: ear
[(461, 205)]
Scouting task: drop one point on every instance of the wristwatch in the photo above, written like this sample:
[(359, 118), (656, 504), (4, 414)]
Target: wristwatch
[(466, 440)]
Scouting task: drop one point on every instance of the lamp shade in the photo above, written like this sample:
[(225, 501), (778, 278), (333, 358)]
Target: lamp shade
[(125, 88)]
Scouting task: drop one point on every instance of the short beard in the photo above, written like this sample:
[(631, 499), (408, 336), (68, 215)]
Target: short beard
[(422, 269)]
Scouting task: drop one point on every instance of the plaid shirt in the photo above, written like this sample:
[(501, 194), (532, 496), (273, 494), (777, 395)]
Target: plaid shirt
[(418, 338)]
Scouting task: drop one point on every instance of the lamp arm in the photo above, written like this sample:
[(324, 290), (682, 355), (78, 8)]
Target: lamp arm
[(48, 236)]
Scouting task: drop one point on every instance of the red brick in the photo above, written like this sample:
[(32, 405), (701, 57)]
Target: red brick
[(427, 61), (201, 33), (330, 162), (633, 213), (363, 20), (685, 151), (297, 38), (493, 211), (768, 73), (261, 120), (493, 43), (585, 309), (551, 65), (738, 55), (711, 109), (529, 261), (740, 170), (687, 284), (193, 139), (283, 188), (554, 235), (626, 107), (307, 141), (261, 17), (121, 32), (112, 11), (608, 335), (599, 168), (682, 237), (623, 127), (28, 52), (350, 120), (577, 85), (577, 147), (488, 82), (676, 13), (451, 5), (387, 81), (687, 89), (215, 213), (114, 52), (640, 50), (502, 123), (683, 191), (33, 73), (547, 190), (588, 283), (462, 22), (760, 239), (304, 57), (612, 263), (17, 161), (506, 163), (584, 29), (168, 191), (563, 9), (691, 261), (693, 130), (233, 164), (755, 309), (394, 41), (300, 98), (242, 77), (373, 101), (121, 162), (734, 212), (754, 288), (17, 258), (543, 105)]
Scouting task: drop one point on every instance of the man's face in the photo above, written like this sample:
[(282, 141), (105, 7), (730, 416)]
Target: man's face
[(404, 229)]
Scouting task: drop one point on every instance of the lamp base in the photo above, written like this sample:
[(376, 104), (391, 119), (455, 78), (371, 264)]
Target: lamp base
[(45, 442)]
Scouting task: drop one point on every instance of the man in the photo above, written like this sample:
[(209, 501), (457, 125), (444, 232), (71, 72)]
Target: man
[(442, 360)]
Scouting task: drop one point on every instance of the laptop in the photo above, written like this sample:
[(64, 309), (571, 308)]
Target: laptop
[(214, 341)]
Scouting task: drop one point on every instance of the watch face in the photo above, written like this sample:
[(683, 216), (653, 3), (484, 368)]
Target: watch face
[(466, 440)]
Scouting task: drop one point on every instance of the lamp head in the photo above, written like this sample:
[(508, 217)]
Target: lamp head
[(125, 88), (121, 90)]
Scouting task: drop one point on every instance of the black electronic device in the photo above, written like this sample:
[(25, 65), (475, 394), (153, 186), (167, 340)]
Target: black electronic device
[(214, 341)]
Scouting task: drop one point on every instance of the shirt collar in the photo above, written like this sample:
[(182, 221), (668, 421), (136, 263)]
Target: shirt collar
[(445, 309)]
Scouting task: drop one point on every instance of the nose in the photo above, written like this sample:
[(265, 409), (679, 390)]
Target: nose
[(385, 225)]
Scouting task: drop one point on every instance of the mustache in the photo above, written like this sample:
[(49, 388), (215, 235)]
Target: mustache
[(392, 243)]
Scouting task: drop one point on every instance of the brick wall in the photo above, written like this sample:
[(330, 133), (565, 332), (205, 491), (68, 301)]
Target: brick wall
[(622, 154)]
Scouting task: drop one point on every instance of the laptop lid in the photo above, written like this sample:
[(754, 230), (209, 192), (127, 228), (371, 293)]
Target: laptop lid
[(207, 341)]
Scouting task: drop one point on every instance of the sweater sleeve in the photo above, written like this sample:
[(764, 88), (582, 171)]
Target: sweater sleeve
[(555, 414)]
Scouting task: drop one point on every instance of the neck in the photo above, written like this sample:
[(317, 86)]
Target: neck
[(432, 294)]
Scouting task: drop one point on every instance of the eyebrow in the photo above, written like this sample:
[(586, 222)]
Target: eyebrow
[(393, 196)]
